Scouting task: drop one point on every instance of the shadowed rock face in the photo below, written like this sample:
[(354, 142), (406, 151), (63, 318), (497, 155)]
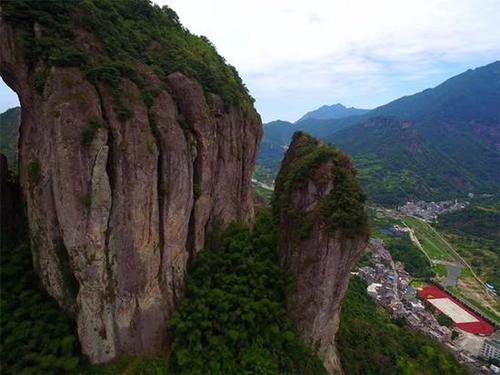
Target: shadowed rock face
[(323, 230), (115, 217)]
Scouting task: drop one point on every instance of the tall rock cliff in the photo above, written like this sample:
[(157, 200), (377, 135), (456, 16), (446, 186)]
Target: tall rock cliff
[(319, 207), (136, 140)]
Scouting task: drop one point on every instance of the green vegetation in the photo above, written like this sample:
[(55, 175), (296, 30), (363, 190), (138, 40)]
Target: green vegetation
[(36, 337), (400, 247), (264, 175), (342, 209), (475, 234), (9, 133), (434, 246), (34, 172), (233, 317), (404, 251), (149, 365), (87, 200), (440, 270), (39, 80), (89, 132), (444, 320), (133, 33), (434, 145), (370, 343), (262, 195)]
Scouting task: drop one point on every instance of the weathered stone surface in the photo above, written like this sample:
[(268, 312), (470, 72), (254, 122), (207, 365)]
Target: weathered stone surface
[(321, 258), (114, 219)]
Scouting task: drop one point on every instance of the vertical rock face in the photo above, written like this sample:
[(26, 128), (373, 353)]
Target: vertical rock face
[(117, 205), (323, 230)]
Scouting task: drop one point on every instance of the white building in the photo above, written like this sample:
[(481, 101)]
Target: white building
[(491, 347)]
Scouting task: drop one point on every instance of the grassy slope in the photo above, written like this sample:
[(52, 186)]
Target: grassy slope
[(434, 246)]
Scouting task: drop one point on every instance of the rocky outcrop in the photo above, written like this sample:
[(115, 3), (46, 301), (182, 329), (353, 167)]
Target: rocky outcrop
[(118, 204), (323, 230)]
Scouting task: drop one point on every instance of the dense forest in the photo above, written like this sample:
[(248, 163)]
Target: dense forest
[(231, 321)]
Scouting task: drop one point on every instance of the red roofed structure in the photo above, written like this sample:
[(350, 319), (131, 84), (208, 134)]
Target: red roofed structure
[(478, 325)]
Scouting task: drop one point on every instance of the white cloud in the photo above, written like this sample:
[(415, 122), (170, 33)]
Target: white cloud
[(295, 55), (361, 51)]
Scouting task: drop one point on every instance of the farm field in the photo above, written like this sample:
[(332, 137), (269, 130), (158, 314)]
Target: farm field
[(434, 246), (442, 255)]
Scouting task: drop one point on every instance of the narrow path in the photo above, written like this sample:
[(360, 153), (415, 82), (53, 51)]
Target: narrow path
[(462, 260), (396, 278), (417, 243), (263, 185), (451, 280)]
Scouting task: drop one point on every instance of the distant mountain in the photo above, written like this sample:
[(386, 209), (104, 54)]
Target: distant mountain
[(435, 144), (9, 133), (335, 111), (439, 143), (277, 135)]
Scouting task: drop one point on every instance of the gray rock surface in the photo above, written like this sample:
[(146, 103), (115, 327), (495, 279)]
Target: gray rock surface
[(115, 219), (320, 260)]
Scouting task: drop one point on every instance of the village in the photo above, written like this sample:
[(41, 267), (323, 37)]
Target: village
[(391, 286), (429, 211)]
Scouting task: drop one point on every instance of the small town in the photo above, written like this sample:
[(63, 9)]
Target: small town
[(429, 211), (391, 286)]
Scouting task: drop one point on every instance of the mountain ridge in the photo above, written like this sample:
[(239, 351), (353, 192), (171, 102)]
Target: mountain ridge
[(399, 147), (334, 111)]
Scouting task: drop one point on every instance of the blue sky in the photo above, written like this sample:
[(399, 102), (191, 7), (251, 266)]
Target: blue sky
[(297, 55)]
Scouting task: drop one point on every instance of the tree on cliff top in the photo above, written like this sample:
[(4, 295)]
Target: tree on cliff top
[(343, 208), (115, 39)]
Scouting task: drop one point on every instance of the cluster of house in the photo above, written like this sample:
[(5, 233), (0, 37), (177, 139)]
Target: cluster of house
[(429, 211), (389, 285)]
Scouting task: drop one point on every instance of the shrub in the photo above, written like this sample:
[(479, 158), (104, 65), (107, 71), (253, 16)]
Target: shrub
[(39, 80), (87, 201), (88, 133), (34, 172), (342, 209)]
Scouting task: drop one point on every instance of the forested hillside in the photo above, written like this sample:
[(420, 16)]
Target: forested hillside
[(436, 144)]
